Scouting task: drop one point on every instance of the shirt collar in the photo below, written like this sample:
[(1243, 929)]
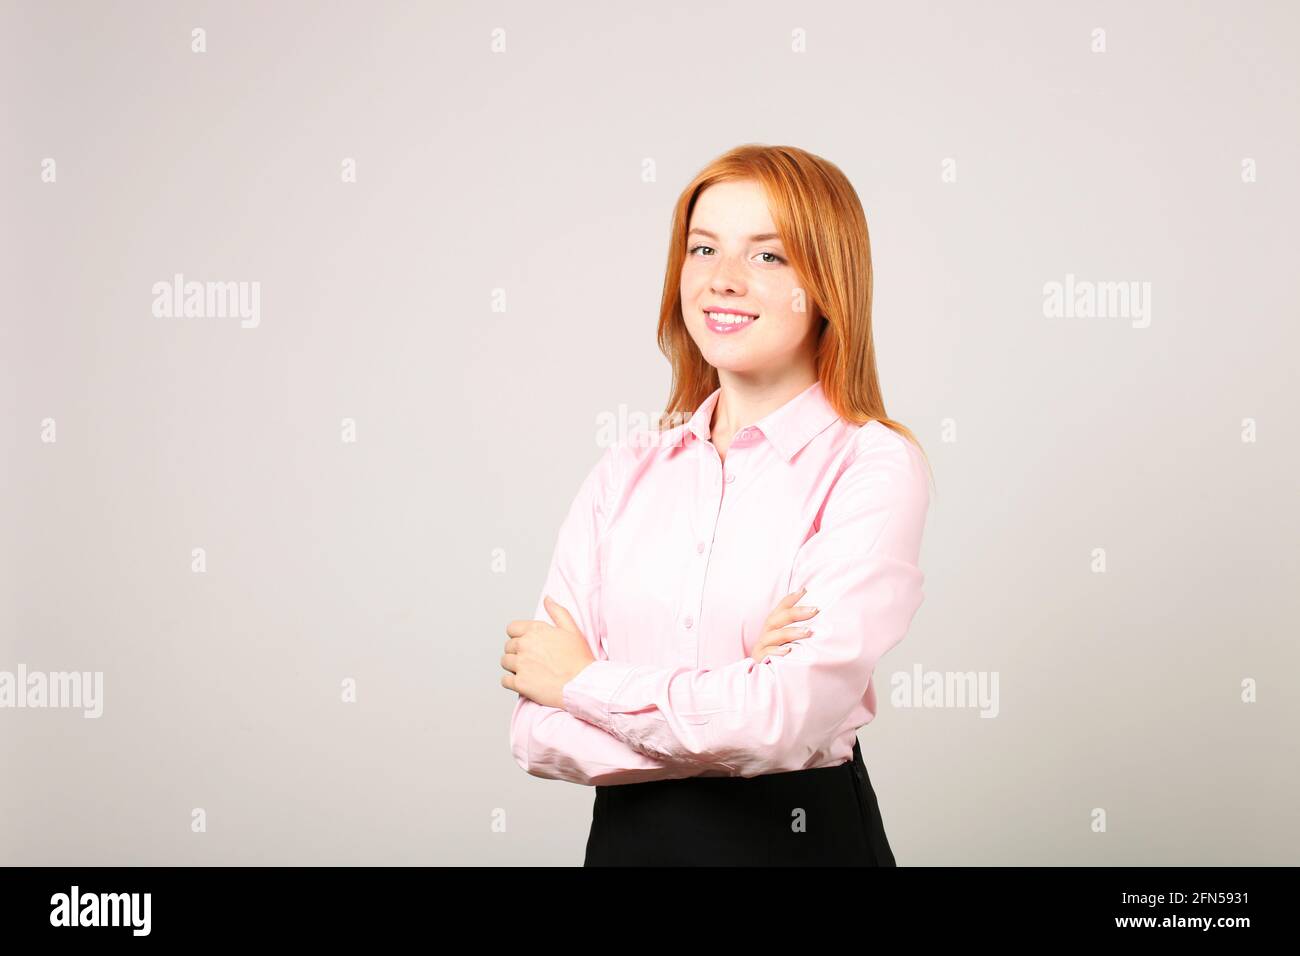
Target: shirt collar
[(788, 428)]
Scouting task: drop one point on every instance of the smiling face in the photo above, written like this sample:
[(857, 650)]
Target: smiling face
[(735, 263)]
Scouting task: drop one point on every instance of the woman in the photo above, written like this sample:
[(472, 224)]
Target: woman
[(716, 718)]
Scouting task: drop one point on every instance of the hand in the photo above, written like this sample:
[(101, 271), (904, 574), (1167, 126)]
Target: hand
[(542, 658), (777, 636)]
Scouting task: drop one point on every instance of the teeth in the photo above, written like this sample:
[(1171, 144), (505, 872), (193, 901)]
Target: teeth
[(729, 318)]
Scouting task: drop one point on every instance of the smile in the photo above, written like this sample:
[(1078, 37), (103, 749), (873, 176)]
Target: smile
[(728, 323)]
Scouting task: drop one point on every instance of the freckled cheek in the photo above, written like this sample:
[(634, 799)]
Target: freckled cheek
[(773, 302), (781, 307), (690, 288)]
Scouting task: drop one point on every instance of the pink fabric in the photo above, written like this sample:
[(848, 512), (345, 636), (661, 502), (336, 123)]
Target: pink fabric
[(669, 561)]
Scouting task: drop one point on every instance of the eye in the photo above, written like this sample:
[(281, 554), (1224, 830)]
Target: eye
[(692, 250)]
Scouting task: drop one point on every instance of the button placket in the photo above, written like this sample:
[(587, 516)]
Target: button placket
[(689, 642)]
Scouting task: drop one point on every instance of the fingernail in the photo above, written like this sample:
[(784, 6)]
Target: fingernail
[(808, 608)]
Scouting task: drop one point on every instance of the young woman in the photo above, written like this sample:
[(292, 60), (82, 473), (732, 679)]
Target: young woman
[(722, 589)]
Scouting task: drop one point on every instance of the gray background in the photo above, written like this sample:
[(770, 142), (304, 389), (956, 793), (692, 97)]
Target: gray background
[(522, 171)]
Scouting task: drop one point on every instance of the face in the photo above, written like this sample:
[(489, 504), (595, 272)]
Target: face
[(735, 262)]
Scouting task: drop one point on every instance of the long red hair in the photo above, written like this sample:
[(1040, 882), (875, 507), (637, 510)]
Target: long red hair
[(820, 219)]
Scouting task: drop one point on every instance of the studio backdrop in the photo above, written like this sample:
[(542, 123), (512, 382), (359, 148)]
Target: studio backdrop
[(259, 543)]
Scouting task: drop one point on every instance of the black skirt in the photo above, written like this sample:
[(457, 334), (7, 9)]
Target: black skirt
[(827, 816)]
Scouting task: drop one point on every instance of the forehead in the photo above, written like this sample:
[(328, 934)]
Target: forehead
[(733, 208)]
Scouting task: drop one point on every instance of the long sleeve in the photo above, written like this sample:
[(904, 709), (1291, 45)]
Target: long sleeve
[(548, 741), (861, 569)]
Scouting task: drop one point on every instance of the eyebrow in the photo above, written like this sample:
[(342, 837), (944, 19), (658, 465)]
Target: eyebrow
[(761, 237)]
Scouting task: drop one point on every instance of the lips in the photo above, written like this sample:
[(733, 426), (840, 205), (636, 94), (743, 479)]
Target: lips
[(728, 321)]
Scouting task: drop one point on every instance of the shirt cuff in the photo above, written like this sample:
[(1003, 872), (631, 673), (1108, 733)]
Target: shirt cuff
[(590, 695)]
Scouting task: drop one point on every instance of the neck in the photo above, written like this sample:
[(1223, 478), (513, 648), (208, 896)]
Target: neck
[(746, 399)]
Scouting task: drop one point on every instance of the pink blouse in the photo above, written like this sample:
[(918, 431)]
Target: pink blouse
[(670, 560)]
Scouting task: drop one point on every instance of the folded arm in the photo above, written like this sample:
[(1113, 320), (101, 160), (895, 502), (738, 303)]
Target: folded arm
[(553, 743), (861, 570)]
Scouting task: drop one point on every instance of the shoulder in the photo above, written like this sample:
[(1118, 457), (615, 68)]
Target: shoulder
[(881, 497), (876, 438), (890, 463), (641, 447), (628, 455)]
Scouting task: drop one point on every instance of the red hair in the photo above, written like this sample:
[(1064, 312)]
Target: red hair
[(820, 219)]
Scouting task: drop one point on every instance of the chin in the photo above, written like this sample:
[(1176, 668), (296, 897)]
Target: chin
[(728, 361), (722, 355)]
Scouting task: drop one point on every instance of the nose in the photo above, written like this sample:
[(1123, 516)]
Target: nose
[(728, 276)]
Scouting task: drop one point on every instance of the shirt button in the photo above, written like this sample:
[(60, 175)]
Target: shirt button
[(690, 621), (730, 478), (699, 548)]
